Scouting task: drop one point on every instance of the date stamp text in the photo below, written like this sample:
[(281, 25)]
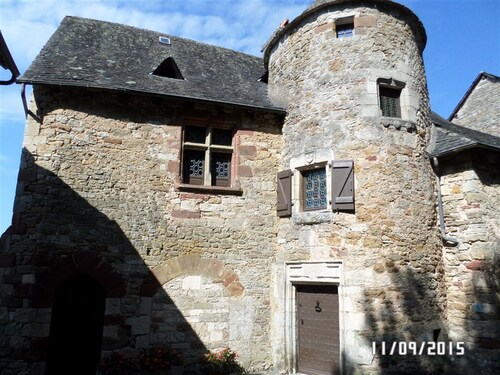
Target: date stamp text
[(428, 348)]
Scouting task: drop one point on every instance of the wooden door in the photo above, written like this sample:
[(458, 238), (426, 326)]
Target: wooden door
[(318, 329)]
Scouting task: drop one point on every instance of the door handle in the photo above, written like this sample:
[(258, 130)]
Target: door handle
[(318, 307), (302, 322)]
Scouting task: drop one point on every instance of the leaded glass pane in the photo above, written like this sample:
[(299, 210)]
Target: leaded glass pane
[(315, 194), (221, 169), (195, 134), (194, 162), (389, 102), (345, 31), (222, 137)]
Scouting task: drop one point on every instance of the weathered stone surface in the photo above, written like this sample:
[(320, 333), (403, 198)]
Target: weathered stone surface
[(470, 202), (98, 195), (480, 109), (389, 245)]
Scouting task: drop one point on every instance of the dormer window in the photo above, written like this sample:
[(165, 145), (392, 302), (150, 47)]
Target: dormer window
[(168, 69)]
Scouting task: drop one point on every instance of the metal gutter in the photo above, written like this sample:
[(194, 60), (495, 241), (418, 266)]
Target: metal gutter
[(7, 62), (450, 240)]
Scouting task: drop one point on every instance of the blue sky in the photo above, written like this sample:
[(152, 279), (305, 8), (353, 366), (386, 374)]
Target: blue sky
[(463, 39)]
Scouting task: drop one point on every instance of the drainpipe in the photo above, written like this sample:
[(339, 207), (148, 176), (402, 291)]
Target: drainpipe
[(27, 111), (450, 240), (23, 98)]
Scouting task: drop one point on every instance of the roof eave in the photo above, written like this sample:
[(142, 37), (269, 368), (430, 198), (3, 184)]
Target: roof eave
[(275, 110), (457, 150)]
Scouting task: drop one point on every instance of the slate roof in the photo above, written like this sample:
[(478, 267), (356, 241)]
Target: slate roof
[(447, 138), (480, 76), (89, 53)]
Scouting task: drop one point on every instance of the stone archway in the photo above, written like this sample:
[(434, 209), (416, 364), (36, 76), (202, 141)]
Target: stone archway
[(192, 264), (89, 276), (76, 326), (82, 262)]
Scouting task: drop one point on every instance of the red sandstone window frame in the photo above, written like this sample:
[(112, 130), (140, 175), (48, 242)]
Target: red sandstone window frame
[(210, 152)]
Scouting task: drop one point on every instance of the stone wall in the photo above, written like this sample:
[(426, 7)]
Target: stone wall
[(471, 198), (392, 280), (97, 194), (480, 111)]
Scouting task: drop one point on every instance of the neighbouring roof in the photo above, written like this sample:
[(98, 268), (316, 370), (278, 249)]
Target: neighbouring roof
[(90, 53), (412, 19), (479, 108), (7, 62), (448, 138), (479, 77)]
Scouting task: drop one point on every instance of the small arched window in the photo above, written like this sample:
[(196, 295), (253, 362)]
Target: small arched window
[(169, 69)]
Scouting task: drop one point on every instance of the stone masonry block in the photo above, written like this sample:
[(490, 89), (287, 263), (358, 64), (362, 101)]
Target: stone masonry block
[(365, 21), (235, 289), (139, 325), (173, 166), (36, 330), (189, 263), (184, 214), (146, 305), (161, 274), (324, 27), (191, 282), (172, 268), (112, 306), (249, 151), (228, 277), (212, 268), (245, 171)]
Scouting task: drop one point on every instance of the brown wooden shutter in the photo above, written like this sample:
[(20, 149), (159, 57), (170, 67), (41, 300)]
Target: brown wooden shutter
[(342, 185), (284, 206)]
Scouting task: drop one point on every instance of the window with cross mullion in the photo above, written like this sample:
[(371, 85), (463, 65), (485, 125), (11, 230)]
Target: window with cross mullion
[(207, 156)]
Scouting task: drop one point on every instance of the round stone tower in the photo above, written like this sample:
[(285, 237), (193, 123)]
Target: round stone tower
[(356, 194)]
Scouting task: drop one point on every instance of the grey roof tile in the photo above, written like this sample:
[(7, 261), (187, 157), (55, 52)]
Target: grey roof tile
[(447, 138), (90, 53)]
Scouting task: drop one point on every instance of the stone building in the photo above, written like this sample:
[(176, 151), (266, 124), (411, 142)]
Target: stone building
[(466, 159), (292, 207)]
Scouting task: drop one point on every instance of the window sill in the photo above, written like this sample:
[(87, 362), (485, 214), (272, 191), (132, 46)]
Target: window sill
[(312, 217), (236, 190)]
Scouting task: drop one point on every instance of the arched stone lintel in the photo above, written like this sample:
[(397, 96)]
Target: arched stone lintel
[(81, 262), (196, 265)]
